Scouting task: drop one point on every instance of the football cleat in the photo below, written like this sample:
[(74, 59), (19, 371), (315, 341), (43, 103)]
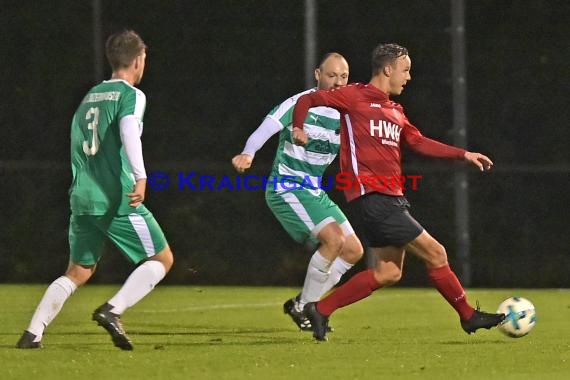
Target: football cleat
[(112, 323), (291, 308), (481, 319), (27, 340), (319, 322)]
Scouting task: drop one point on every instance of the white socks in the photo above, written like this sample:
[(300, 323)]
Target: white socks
[(317, 274), (313, 289), (338, 268), (139, 284), (50, 305)]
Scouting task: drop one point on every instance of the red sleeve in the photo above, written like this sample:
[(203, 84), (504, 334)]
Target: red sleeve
[(428, 147), (302, 107), (337, 98)]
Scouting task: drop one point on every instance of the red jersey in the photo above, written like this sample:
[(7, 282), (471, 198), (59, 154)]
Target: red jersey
[(372, 130)]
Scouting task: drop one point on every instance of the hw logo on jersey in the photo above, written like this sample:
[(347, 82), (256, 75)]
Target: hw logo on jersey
[(388, 132)]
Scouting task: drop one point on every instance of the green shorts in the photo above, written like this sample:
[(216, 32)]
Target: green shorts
[(137, 235), (304, 214)]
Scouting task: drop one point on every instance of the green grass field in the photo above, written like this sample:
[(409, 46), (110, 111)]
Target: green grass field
[(241, 333)]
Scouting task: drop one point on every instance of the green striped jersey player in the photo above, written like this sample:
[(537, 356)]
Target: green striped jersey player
[(106, 195), (302, 165), (293, 191)]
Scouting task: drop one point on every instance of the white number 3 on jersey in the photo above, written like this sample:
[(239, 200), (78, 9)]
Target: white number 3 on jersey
[(93, 112)]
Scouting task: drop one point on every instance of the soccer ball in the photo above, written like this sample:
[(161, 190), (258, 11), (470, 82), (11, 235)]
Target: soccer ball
[(520, 317)]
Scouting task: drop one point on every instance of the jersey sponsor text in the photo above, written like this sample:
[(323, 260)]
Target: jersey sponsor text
[(93, 97), (389, 132)]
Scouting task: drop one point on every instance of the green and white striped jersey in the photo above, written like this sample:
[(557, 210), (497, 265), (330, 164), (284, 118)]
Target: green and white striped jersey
[(102, 175), (301, 164)]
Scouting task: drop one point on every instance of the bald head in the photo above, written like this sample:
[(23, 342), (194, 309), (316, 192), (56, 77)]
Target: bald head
[(332, 72)]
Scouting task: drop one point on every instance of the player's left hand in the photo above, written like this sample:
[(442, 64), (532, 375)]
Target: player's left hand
[(299, 137), (480, 160), (137, 196)]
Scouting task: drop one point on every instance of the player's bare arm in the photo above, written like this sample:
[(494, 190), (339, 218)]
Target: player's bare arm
[(242, 162), (137, 196)]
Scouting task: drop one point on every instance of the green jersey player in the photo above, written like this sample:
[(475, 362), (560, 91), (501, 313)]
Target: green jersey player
[(293, 190), (106, 195)]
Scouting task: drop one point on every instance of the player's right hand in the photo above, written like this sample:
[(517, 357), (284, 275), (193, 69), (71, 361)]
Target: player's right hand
[(299, 137), (242, 162), (137, 196)]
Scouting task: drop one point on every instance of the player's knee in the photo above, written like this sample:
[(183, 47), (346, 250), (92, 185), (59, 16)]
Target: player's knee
[(78, 280), (79, 274), (352, 251), (166, 258), (437, 255), (169, 263), (335, 243)]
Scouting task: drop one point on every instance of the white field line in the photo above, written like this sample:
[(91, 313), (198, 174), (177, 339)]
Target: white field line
[(212, 307), (380, 297)]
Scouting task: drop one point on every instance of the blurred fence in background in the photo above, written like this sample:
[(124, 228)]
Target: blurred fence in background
[(230, 236), (215, 68)]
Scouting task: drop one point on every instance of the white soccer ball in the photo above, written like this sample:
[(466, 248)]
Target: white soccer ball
[(520, 316)]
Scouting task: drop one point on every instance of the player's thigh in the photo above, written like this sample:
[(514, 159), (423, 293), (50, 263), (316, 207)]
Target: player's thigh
[(138, 235), (302, 213), (85, 240)]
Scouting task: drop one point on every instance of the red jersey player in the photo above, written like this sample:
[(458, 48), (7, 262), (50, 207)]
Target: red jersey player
[(373, 129)]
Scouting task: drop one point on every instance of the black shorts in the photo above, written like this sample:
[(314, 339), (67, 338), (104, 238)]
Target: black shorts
[(383, 220)]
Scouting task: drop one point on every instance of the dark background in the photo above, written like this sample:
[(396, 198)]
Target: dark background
[(215, 68)]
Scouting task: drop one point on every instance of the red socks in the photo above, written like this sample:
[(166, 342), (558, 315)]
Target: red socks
[(358, 287), (450, 288), (363, 284)]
